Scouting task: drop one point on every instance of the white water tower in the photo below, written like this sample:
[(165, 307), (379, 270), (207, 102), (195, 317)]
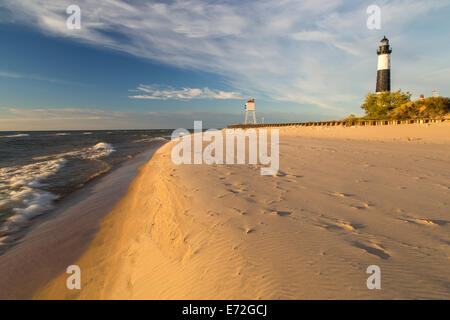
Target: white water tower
[(250, 108)]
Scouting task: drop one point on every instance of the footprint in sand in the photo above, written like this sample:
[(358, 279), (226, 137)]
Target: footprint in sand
[(364, 206), (331, 227), (342, 195), (281, 213), (272, 201), (281, 174), (230, 192), (249, 230), (349, 226), (239, 211), (213, 213), (340, 225), (426, 222), (374, 249), (236, 191), (358, 207)]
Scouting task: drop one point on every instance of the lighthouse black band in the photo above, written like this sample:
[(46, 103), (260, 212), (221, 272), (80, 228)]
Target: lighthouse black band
[(384, 80)]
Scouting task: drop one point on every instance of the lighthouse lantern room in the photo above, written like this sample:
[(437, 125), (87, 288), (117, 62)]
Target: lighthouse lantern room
[(384, 66)]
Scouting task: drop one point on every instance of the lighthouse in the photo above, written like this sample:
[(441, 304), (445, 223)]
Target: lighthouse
[(384, 66)]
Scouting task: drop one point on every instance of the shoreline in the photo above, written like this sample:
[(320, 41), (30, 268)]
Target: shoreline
[(59, 237), (337, 205)]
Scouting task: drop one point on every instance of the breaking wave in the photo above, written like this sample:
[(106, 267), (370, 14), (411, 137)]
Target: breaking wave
[(22, 188), (16, 135), (149, 140), (21, 193), (97, 151)]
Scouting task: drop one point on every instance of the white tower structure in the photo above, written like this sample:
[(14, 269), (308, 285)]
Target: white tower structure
[(250, 108)]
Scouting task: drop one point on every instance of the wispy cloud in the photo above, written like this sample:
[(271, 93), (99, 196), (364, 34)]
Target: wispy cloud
[(56, 114), (16, 75), (305, 51), (155, 92)]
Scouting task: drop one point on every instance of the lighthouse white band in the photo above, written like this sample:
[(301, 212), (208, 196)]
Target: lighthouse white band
[(384, 62)]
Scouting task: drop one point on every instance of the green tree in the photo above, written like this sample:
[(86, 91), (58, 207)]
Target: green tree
[(431, 107), (379, 105)]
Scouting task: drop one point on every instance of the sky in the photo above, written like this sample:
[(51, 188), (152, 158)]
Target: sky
[(163, 64)]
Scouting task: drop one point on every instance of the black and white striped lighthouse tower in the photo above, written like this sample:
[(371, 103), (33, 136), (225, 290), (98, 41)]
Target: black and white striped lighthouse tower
[(384, 66)]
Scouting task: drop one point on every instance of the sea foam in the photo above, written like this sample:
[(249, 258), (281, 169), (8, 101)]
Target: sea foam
[(20, 192), (21, 187), (16, 135)]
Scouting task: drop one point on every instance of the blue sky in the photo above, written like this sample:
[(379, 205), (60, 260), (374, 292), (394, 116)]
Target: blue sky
[(147, 64)]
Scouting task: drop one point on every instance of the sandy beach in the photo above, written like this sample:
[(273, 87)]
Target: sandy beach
[(343, 199)]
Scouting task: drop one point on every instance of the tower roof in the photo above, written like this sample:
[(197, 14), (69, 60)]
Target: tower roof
[(384, 39)]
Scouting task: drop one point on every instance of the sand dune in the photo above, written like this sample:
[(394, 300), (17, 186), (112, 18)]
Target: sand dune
[(343, 199)]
